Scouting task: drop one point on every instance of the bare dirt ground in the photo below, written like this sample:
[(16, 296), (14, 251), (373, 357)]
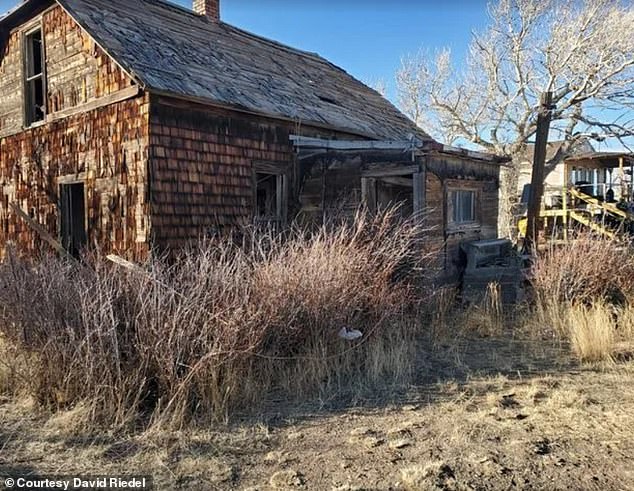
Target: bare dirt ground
[(485, 415)]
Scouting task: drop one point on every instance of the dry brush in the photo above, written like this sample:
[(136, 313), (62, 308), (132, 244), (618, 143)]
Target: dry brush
[(221, 327)]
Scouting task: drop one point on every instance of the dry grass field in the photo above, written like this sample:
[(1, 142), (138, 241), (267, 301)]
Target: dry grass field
[(227, 370), (486, 413)]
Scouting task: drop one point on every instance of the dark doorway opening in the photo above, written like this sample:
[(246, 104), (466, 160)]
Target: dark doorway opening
[(73, 218)]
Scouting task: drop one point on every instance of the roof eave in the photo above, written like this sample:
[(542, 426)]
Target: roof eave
[(230, 107), (19, 11), (28, 8), (18, 15), (488, 158)]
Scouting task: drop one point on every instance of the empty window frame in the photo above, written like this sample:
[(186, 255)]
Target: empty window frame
[(270, 197), (34, 79), (381, 188), (463, 206), (392, 191)]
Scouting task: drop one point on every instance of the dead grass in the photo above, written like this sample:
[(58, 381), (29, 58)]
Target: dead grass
[(16, 369), (592, 332), (232, 329), (482, 431), (584, 296), (486, 318), (625, 327), (442, 309), (487, 433), (434, 475)]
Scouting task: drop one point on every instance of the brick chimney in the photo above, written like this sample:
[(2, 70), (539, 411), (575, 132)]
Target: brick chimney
[(208, 8)]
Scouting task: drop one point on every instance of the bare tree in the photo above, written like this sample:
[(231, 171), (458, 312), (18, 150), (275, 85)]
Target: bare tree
[(580, 50)]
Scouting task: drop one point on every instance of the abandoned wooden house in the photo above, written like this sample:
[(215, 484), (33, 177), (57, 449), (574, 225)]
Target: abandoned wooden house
[(135, 125)]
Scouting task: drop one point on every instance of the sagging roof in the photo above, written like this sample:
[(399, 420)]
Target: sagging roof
[(174, 51)]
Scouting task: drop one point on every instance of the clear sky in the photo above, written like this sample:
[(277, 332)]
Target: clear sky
[(367, 38)]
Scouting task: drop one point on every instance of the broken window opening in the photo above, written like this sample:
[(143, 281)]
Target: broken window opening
[(270, 205), (72, 214), (404, 191), (396, 192), (463, 206), (35, 90)]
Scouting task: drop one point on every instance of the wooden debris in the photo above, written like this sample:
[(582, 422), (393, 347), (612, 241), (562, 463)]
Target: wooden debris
[(45, 236)]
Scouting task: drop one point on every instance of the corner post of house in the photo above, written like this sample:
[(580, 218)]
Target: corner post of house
[(419, 189), (282, 197), (564, 200), (631, 190), (621, 177), (368, 193)]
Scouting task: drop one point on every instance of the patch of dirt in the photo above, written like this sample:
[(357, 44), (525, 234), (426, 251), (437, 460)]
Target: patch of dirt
[(485, 422)]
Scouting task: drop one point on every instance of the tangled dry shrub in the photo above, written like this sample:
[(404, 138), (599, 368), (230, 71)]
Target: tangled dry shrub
[(70, 322), (222, 327), (587, 269), (15, 369)]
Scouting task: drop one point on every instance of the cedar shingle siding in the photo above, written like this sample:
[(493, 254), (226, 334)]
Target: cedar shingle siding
[(106, 147), (201, 166)]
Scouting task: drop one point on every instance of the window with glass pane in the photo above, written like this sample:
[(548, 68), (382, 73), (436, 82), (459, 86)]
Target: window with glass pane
[(463, 206)]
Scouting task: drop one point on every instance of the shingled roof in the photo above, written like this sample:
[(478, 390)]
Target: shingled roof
[(171, 50)]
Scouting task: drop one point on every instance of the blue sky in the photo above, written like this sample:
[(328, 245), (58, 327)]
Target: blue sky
[(367, 38)]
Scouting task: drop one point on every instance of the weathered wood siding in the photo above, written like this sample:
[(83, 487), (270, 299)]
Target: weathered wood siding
[(202, 168), (446, 172), (332, 187), (11, 99), (435, 211), (106, 149), (77, 70)]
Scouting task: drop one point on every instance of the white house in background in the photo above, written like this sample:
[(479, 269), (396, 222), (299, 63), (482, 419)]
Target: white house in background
[(554, 181)]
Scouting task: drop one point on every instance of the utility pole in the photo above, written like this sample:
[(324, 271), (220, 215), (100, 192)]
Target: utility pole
[(533, 224)]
